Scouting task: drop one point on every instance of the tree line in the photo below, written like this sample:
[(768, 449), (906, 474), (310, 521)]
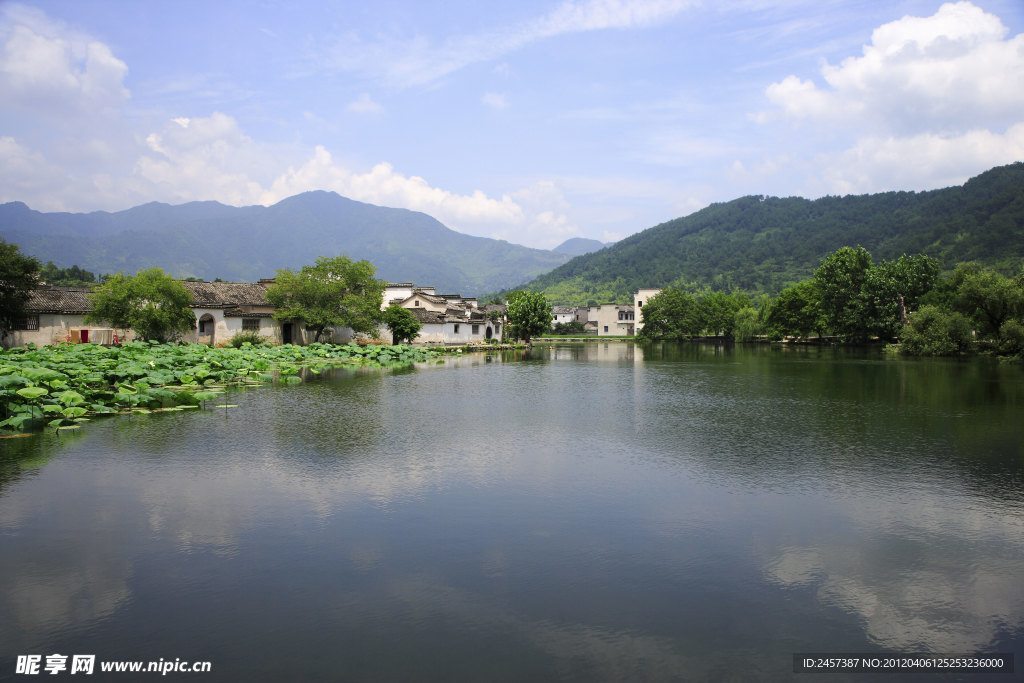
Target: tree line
[(854, 300)]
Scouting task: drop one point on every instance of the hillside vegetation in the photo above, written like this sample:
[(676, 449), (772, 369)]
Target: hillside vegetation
[(764, 244)]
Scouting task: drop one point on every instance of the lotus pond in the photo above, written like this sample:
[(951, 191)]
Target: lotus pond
[(65, 385)]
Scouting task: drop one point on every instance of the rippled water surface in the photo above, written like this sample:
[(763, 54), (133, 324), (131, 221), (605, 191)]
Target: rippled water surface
[(591, 512)]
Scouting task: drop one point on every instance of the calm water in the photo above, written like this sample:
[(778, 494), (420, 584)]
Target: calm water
[(597, 512)]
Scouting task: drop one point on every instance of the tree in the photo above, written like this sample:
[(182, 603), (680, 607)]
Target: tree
[(672, 314), (934, 332), (717, 311), (796, 311), (989, 298), (19, 274), (746, 325), (403, 324), (839, 280), (891, 289), (335, 292), (73, 276), (152, 304), (529, 314), (860, 300)]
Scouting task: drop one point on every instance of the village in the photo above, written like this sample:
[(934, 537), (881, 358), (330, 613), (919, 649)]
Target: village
[(56, 314)]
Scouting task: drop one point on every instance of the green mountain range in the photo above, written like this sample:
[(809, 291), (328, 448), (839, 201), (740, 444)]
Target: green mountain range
[(763, 244), (211, 240)]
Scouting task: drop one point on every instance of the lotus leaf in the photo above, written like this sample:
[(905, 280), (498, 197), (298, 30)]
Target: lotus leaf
[(71, 398), (32, 393)]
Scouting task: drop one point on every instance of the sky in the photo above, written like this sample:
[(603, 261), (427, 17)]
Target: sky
[(532, 122)]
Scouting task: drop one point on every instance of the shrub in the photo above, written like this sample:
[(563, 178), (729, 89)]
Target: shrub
[(572, 327), (934, 332), (251, 337)]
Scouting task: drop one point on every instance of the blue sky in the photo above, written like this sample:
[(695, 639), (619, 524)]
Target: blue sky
[(529, 121)]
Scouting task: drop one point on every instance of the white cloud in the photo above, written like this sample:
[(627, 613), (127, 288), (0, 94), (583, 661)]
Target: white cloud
[(364, 104), (495, 100), (52, 73), (203, 158), (23, 170), (929, 102), (946, 72), (926, 161), (404, 61)]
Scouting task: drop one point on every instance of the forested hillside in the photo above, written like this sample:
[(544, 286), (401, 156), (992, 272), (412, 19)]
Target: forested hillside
[(762, 244)]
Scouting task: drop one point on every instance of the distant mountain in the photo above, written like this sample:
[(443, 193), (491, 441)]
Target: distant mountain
[(210, 240), (577, 246), (762, 244)]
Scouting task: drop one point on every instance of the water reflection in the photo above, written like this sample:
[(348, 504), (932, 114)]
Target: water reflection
[(599, 511)]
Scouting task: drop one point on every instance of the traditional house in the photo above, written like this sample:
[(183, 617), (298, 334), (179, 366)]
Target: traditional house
[(57, 314), (397, 292), (446, 318), (223, 309), (612, 320), (562, 315)]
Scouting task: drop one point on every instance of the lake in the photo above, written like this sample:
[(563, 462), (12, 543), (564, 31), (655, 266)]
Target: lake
[(579, 512)]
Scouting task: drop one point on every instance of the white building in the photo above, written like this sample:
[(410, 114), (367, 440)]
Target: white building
[(446, 318), (613, 320), (562, 315), (639, 299)]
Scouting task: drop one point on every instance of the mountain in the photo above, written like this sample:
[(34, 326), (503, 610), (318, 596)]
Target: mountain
[(210, 240), (762, 244), (577, 246)]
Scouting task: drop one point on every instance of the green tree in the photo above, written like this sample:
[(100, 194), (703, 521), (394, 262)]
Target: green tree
[(796, 311), (73, 276), (893, 288), (717, 312), (989, 298), (19, 274), (152, 304), (840, 279), (934, 332), (746, 324), (335, 292), (672, 314), (529, 314), (402, 322)]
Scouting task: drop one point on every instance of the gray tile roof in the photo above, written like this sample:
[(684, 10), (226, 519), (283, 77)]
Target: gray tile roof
[(227, 294), (55, 299), (425, 316)]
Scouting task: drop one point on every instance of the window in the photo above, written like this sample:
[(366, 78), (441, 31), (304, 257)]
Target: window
[(456, 328), (605, 328), (250, 324), (476, 329), (639, 304), (30, 322), (416, 303)]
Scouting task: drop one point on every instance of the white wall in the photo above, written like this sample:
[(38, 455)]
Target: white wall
[(639, 299)]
